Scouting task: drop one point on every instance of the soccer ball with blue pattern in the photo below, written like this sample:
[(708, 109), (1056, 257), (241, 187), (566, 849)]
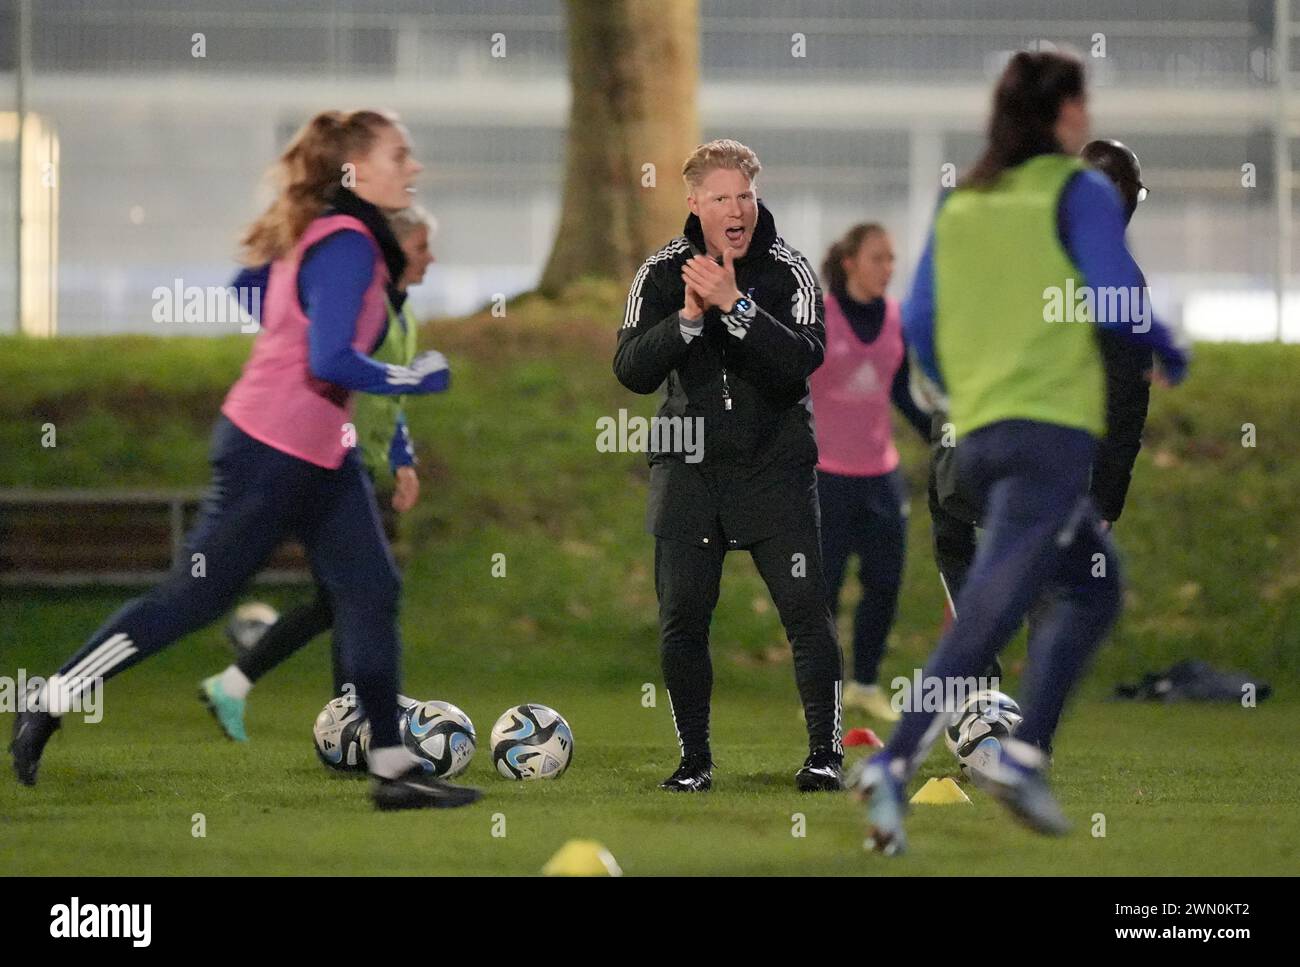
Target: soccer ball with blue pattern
[(441, 735), (342, 734), (531, 742), (979, 727), (342, 731)]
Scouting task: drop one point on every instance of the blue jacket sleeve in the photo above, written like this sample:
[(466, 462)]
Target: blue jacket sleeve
[(1092, 229), (250, 289), (901, 393), (333, 282), (400, 451), (918, 315)]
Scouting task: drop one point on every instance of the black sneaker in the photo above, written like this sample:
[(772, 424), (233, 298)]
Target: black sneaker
[(823, 771), (31, 731), (695, 774), (417, 789)]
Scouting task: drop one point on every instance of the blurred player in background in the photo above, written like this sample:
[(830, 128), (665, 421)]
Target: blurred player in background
[(861, 490), (1128, 367), (385, 444), (283, 457), (731, 319), (1026, 398)]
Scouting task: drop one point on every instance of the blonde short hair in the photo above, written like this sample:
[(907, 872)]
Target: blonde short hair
[(405, 222), (720, 153)]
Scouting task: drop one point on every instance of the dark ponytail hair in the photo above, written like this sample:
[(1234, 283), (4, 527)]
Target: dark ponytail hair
[(1026, 103), (846, 246)]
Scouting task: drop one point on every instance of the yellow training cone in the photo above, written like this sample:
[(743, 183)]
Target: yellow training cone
[(940, 792), (582, 857)]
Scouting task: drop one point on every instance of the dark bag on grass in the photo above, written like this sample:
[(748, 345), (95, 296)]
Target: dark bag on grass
[(1193, 681)]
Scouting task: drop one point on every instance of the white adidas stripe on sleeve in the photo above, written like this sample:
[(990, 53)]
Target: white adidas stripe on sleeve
[(632, 311)]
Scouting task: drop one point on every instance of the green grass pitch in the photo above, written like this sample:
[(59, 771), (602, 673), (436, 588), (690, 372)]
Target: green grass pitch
[(1183, 790), (1210, 544)]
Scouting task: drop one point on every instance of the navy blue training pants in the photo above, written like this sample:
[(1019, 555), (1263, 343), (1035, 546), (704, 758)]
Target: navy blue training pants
[(259, 497), (865, 516), (1041, 534)]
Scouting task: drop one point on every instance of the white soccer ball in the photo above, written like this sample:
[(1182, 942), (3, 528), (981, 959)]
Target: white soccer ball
[(441, 735), (342, 734), (248, 623), (979, 727), (531, 742), (342, 731)]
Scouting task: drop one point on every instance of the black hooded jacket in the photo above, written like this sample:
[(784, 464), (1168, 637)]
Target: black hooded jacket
[(1128, 394), (756, 478)]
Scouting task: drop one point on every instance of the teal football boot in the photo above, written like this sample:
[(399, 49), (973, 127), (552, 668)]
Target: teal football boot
[(226, 709)]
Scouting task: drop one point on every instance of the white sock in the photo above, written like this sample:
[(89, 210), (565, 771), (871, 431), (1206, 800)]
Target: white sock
[(391, 761), (235, 683), (1025, 754)]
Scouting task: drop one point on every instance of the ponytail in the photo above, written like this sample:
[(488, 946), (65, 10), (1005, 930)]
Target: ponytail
[(306, 177), (1026, 104)]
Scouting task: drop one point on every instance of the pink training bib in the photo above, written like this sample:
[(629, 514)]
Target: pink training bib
[(277, 400), (851, 395)]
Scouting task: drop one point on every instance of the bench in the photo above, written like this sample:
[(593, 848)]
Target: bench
[(76, 538)]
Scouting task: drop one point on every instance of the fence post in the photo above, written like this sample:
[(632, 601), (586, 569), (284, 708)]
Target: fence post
[(178, 529)]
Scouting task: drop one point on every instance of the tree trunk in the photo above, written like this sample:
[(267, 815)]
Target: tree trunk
[(633, 70)]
